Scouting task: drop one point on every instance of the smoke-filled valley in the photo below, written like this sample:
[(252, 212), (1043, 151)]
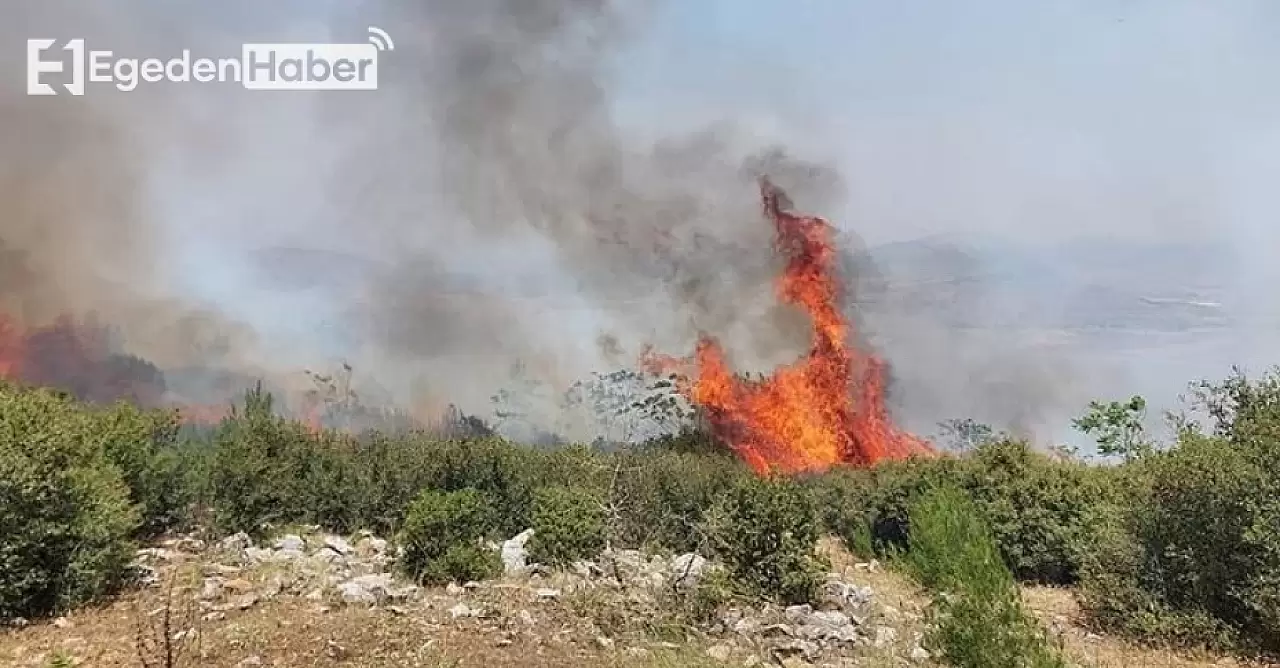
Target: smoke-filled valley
[(495, 222)]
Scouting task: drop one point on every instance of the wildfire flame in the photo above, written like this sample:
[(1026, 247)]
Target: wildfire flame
[(826, 409), (74, 356)]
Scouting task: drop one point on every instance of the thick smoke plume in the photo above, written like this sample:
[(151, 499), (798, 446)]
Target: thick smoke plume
[(483, 211)]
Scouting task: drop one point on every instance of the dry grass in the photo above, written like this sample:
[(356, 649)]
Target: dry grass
[(293, 632), (1056, 608)]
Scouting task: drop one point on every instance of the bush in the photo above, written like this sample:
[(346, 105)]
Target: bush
[(1196, 561), (765, 530), (253, 478), (568, 525), (663, 497), (1039, 510), (440, 531), (65, 511), (144, 446), (463, 563), (979, 621)]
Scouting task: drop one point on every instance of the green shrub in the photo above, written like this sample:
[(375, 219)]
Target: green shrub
[(1039, 510), (144, 446), (766, 531), (253, 476), (1196, 560), (568, 525), (65, 511), (868, 508), (663, 497), (463, 563), (979, 621), (438, 522)]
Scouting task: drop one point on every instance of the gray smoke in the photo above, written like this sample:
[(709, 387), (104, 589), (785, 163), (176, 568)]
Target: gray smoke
[(484, 207)]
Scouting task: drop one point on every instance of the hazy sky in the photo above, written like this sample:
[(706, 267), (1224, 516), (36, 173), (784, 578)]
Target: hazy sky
[(1031, 121), (1036, 119)]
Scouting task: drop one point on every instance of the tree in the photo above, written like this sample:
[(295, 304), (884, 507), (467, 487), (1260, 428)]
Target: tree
[(1117, 427)]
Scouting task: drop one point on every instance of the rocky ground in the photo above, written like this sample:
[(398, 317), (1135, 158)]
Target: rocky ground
[(311, 599)]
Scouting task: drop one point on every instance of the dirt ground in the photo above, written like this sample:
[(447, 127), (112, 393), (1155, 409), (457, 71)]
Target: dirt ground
[(293, 631)]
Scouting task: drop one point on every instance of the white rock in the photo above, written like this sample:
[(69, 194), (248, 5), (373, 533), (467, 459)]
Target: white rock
[(919, 653), (885, 636), (236, 542), (291, 543), (369, 546), (461, 610), (338, 544), (687, 569), (514, 554), (720, 653), (211, 590), (547, 594)]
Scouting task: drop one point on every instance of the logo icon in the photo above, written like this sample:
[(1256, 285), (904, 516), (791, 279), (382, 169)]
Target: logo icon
[(36, 66)]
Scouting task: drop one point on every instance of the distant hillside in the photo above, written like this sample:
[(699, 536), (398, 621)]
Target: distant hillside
[(1080, 285)]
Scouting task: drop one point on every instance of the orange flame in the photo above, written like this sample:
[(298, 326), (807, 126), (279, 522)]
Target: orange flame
[(828, 408)]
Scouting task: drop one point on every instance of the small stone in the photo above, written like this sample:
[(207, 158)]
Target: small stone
[(720, 653), (604, 643), (63, 623), (452, 589), (338, 544), (471, 585), (503, 642), (747, 626), (238, 586), (547, 594), (291, 543), (885, 636), (251, 661), (461, 610), (750, 661), (211, 590), (526, 618), (236, 542), (919, 653), (585, 569), (798, 613), (370, 546)]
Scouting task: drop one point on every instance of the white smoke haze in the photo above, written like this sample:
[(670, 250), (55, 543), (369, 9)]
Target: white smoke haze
[(519, 190)]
